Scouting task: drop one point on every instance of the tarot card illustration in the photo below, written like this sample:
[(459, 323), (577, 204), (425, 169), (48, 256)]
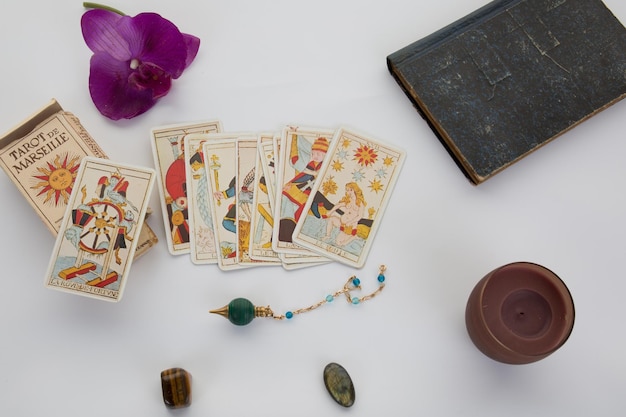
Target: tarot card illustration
[(247, 153), (262, 219), (289, 261), (221, 171), (169, 159), (98, 236), (349, 199), (302, 152), (201, 235), (56, 179)]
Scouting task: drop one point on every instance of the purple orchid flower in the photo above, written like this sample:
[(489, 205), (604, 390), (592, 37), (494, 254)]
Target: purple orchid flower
[(134, 60)]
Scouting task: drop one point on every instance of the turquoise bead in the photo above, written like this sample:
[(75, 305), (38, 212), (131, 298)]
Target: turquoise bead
[(381, 278), (240, 311), (356, 282), (289, 315), (329, 298), (355, 300)]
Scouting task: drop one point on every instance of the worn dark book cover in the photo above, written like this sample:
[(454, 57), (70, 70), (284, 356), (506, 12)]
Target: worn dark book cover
[(513, 75)]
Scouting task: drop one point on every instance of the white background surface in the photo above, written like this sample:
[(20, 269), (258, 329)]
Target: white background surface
[(261, 65)]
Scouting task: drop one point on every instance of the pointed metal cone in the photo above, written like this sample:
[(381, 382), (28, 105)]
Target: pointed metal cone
[(221, 311)]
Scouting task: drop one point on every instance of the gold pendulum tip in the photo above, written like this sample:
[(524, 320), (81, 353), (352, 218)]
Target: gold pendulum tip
[(239, 311), (221, 311)]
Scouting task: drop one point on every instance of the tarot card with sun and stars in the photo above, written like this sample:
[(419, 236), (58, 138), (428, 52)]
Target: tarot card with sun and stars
[(98, 236), (349, 198)]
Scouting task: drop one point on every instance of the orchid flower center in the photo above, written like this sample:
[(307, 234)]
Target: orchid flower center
[(134, 63)]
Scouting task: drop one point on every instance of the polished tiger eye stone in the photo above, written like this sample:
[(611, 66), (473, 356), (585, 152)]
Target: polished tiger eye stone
[(339, 384), (176, 385)]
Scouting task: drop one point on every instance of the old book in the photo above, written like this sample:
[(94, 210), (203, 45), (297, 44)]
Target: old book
[(510, 77), (41, 156)]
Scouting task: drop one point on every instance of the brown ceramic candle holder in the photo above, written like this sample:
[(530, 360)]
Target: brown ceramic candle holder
[(519, 313)]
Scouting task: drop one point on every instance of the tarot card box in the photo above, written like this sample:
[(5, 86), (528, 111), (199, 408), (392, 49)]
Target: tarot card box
[(41, 156)]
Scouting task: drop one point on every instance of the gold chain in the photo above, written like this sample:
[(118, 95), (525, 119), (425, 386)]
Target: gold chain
[(353, 283)]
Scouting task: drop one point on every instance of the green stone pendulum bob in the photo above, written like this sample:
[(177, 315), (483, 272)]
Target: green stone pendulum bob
[(241, 311)]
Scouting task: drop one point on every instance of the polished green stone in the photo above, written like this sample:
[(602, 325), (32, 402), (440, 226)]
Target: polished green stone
[(339, 384), (240, 311), (176, 386)]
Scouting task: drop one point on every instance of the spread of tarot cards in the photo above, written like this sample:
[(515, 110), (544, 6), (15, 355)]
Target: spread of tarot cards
[(97, 237), (298, 197)]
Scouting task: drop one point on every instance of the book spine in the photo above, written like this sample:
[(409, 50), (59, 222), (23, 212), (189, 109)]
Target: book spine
[(422, 46)]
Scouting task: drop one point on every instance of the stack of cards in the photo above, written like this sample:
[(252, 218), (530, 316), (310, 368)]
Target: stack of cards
[(298, 197)]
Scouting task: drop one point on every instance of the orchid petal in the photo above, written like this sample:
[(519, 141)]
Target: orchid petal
[(158, 41), (193, 45), (110, 92), (100, 32)]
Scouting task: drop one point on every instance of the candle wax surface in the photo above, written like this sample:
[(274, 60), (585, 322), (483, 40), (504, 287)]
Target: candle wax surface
[(527, 308), (526, 313)]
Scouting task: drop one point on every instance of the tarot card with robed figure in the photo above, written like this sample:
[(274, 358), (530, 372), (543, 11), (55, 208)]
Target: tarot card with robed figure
[(201, 234), (262, 219), (261, 246), (349, 199), (289, 260), (248, 175), (220, 153), (98, 235), (168, 150), (302, 152)]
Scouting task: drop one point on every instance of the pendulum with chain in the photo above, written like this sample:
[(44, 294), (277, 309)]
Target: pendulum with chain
[(241, 311)]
